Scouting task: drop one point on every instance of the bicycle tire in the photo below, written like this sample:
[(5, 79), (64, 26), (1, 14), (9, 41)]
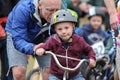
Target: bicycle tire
[(111, 77), (93, 72), (35, 74), (90, 75)]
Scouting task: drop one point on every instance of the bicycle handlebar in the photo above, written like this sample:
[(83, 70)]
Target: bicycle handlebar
[(66, 68)]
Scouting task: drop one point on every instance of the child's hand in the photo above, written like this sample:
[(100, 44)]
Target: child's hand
[(39, 51), (92, 63)]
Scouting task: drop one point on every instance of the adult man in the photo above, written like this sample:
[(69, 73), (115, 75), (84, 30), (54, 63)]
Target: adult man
[(114, 24), (24, 22)]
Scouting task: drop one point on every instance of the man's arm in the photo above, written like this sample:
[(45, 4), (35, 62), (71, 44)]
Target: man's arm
[(112, 13), (20, 29)]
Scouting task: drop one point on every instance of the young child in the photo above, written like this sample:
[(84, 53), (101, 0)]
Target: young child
[(92, 32), (66, 43)]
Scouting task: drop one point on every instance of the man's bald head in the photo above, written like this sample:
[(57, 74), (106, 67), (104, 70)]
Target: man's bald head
[(51, 1), (48, 7)]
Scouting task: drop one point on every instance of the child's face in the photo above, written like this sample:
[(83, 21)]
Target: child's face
[(96, 22), (64, 30)]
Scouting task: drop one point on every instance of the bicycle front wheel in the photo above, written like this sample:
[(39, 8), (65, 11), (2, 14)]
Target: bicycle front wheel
[(35, 74)]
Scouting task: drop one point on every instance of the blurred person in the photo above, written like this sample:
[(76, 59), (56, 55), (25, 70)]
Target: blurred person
[(92, 31), (79, 6), (110, 5), (5, 7), (114, 24), (101, 4)]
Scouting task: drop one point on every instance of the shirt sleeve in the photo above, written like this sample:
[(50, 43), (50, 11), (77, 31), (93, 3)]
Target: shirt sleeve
[(20, 19), (47, 45), (88, 49)]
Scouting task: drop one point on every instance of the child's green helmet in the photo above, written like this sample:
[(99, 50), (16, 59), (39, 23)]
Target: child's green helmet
[(64, 15)]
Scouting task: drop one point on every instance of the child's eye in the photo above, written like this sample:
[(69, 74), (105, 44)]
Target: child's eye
[(59, 29), (66, 27)]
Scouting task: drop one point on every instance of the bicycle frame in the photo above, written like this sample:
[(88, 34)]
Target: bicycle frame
[(66, 69)]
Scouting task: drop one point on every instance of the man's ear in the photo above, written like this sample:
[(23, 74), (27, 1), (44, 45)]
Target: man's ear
[(39, 5)]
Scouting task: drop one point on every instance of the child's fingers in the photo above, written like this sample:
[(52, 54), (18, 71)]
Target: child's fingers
[(92, 63), (37, 46)]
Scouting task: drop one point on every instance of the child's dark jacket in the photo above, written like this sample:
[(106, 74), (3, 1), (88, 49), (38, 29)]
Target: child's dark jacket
[(75, 50), (92, 36)]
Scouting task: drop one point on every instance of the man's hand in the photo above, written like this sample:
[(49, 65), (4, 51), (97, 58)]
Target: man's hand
[(110, 5), (37, 46), (39, 51), (114, 21)]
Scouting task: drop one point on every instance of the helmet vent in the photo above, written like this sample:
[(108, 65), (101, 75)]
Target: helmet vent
[(63, 14), (57, 15)]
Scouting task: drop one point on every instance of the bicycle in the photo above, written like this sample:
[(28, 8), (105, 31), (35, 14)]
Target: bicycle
[(82, 62), (35, 73), (98, 72)]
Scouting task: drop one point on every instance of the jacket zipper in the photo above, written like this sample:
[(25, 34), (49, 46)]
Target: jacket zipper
[(66, 50)]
